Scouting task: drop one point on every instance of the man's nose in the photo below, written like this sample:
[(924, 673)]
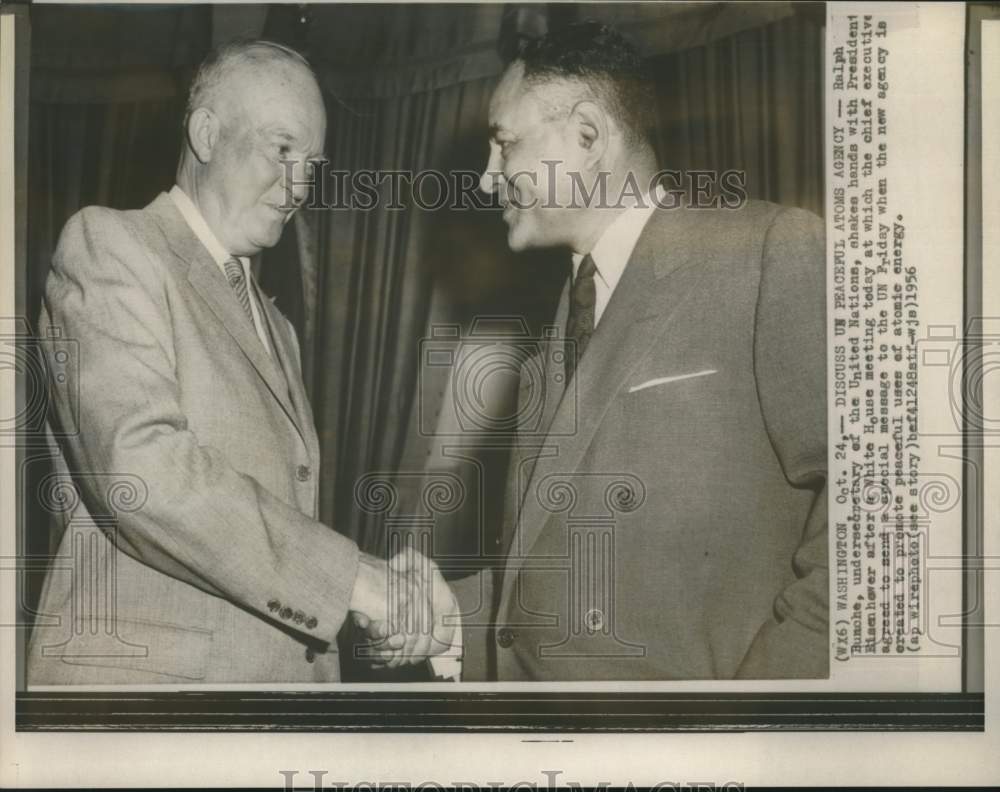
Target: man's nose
[(492, 179), (298, 180), (489, 182)]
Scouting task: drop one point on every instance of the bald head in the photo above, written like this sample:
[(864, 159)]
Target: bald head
[(254, 127), (238, 61)]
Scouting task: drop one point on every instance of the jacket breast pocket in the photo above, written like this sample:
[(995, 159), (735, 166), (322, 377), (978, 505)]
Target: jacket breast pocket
[(666, 413), (140, 645)]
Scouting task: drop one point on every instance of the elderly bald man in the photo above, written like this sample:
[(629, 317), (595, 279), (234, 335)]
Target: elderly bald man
[(191, 550)]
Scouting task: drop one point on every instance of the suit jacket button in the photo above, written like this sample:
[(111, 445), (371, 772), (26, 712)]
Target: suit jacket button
[(298, 617), (303, 473), (593, 620), (273, 605), (310, 655), (311, 623), (286, 613), (505, 637)]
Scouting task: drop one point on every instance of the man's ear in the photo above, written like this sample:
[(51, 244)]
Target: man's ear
[(590, 125), (203, 128)]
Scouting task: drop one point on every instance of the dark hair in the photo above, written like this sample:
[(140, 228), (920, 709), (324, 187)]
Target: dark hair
[(605, 61)]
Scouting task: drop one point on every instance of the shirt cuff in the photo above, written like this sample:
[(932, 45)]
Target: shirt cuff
[(447, 666)]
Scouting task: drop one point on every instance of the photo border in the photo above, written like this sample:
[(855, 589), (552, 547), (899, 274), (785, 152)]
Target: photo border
[(458, 711)]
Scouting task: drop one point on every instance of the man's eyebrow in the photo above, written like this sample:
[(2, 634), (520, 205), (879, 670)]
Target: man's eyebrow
[(288, 137), (273, 133)]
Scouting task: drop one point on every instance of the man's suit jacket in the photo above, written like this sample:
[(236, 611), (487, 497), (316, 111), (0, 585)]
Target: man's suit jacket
[(193, 553), (666, 513)]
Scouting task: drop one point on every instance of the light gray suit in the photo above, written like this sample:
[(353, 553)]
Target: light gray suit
[(194, 554), (670, 522)]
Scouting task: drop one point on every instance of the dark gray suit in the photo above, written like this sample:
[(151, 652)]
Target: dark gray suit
[(671, 523)]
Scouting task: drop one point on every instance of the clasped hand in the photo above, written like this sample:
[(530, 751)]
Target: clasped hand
[(412, 613)]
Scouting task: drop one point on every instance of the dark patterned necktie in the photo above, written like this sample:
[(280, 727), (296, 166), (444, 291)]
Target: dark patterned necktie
[(580, 322), (237, 279)]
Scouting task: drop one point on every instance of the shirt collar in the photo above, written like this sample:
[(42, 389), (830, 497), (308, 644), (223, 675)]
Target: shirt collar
[(614, 247), (199, 227)]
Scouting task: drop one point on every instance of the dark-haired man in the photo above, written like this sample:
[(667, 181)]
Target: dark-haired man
[(668, 521), (213, 567)]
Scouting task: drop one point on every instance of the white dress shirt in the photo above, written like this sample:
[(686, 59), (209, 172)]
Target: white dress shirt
[(613, 250), (194, 219)]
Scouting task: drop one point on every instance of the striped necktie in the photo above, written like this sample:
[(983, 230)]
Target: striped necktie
[(580, 322), (237, 279)]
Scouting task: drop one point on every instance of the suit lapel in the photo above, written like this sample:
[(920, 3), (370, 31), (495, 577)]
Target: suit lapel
[(208, 281), (541, 390), (284, 350), (555, 370), (541, 381), (660, 272)]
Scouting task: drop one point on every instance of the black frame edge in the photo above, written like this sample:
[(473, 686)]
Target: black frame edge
[(453, 711)]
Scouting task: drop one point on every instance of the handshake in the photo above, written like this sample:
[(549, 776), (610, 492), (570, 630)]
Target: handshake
[(404, 607)]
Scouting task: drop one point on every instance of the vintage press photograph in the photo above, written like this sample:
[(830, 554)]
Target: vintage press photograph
[(594, 366), (491, 354)]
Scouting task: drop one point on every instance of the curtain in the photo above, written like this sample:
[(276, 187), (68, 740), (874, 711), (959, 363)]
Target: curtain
[(384, 278), (376, 290), (752, 101), (106, 102), (76, 159)]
